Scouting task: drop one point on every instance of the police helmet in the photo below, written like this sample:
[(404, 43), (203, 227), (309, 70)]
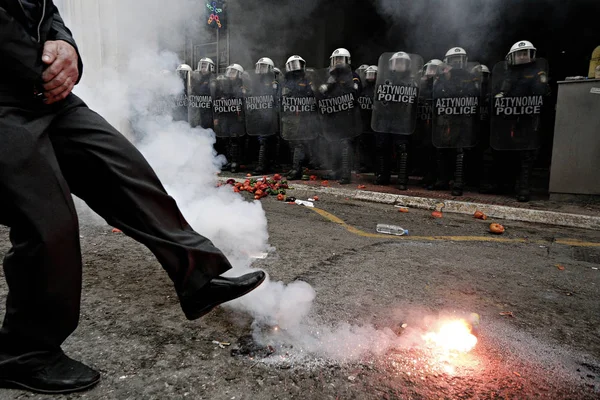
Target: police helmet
[(522, 52)]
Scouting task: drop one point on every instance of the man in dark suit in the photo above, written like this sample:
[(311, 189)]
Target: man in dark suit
[(52, 145)]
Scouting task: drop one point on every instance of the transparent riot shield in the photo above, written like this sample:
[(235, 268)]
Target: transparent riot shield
[(200, 99), (228, 107), (396, 96), (261, 105), (337, 103), (456, 107), (180, 101), (365, 102), (517, 102), (298, 108)]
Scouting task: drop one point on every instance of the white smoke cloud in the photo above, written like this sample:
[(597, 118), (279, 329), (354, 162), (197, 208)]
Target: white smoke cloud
[(125, 90), (127, 50)]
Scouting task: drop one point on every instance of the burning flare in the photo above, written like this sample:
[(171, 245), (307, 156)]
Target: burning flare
[(453, 336)]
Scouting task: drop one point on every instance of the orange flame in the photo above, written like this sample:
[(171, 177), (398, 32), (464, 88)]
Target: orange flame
[(453, 336)]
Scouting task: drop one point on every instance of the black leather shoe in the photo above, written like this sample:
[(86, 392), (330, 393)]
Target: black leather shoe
[(220, 290), (62, 375)]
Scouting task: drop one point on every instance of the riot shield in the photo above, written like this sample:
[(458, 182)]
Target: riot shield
[(422, 135), (337, 103), (200, 100), (180, 101), (396, 96), (455, 110), (261, 105), (365, 101), (228, 108), (298, 108), (517, 101)]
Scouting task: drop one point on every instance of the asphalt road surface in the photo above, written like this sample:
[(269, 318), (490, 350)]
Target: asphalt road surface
[(535, 289)]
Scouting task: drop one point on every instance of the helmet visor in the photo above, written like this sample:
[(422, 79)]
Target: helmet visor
[(521, 57), (371, 75), (262, 68), (294, 65), (205, 66), (399, 64), (337, 60), (457, 61), (431, 70), (231, 73)]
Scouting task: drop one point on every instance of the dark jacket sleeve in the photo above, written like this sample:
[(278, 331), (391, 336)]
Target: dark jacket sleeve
[(21, 57), (59, 31)]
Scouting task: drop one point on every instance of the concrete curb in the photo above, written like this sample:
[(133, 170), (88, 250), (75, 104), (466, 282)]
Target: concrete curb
[(460, 207)]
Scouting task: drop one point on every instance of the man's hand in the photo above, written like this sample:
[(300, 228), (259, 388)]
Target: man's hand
[(62, 71)]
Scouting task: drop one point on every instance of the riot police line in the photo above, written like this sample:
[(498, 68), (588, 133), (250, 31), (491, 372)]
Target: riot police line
[(448, 117)]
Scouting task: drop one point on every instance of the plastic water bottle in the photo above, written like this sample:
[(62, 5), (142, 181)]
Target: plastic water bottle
[(391, 229)]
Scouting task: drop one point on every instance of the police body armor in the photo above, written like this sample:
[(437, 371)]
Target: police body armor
[(261, 105), (228, 107), (337, 91), (200, 99), (396, 97), (456, 108), (518, 96)]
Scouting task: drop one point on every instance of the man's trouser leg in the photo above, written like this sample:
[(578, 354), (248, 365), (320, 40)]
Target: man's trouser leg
[(105, 170), (43, 267)]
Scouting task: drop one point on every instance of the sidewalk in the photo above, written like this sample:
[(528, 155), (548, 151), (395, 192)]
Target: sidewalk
[(583, 213)]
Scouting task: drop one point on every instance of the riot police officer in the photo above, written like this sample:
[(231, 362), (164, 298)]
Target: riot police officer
[(401, 120), (298, 109), (202, 91), (456, 119), (229, 115), (476, 172), (180, 108), (366, 141), (395, 113), (517, 109), (426, 151), (261, 108), (337, 99)]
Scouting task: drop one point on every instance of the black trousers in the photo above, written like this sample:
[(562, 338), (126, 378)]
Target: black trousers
[(48, 152)]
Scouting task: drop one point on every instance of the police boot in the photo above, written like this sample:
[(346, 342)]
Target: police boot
[(296, 171), (382, 156), (345, 170), (402, 167), (524, 175), (275, 164), (441, 183), (261, 166), (234, 150), (457, 187), (227, 151), (360, 155), (487, 185)]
